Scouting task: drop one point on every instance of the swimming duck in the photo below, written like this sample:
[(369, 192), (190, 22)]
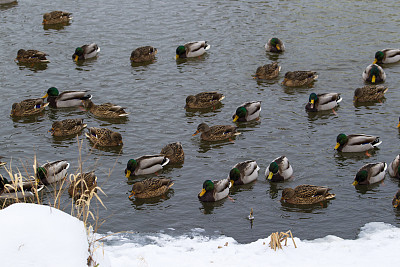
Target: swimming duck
[(369, 93), (306, 194), (145, 165), (85, 52), (106, 110), (192, 49), (248, 111), (274, 45), (52, 172), (396, 199), (67, 127), (174, 152), (387, 55), (31, 56), (279, 170), (151, 187), (244, 172), (394, 167), (320, 102), (66, 99), (374, 74), (143, 54), (104, 137), (214, 190), (370, 173), (204, 100), (28, 107), (356, 142), (16, 191), (83, 185), (299, 78), (216, 132), (268, 71), (56, 17)]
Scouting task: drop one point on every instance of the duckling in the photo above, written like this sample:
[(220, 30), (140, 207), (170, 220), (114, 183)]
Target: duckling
[(320, 102), (370, 173), (145, 165), (67, 127), (394, 167), (268, 71), (106, 110), (85, 52), (174, 152), (104, 137), (396, 199), (306, 194), (28, 107), (248, 111), (56, 17), (299, 78), (388, 55), (356, 142), (66, 99), (143, 54), (244, 172), (216, 132), (83, 185), (52, 172), (31, 56), (204, 100), (214, 190), (374, 74), (151, 187), (274, 45), (192, 49), (279, 170)]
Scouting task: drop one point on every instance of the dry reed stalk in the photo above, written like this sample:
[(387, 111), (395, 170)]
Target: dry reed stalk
[(277, 238)]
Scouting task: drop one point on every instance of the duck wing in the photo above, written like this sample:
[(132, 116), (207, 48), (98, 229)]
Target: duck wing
[(361, 139), (148, 161)]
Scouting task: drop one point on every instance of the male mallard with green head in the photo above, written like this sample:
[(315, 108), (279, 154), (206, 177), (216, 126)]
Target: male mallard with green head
[(374, 74), (244, 172), (66, 99), (321, 102), (356, 142), (248, 111), (192, 49), (279, 170), (52, 172), (85, 52), (388, 55), (216, 132), (151, 187), (274, 45), (306, 194), (370, 173), (145, 165), (214, 190)]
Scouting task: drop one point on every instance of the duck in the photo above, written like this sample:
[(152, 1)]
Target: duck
[(52, 172), (325, 101), (192, 49), (56, 17), (306, 194), (28, 107), (66, 99), (14, 190), (274, 45), (356, 142), (174, 152), (216, 132), (279, 170), (244, 172), (370, 173), (104, 137), (85, 52), (396, 199), (374, 74), (388, 55), (247, 111), (143, 54), (214, 190), (147, 164), (83, 185), (299, 78), (67, 127), (151, 187), (369, 93), (394, 167), (31, 56), (204, 100), (268, 71), (106, 110)]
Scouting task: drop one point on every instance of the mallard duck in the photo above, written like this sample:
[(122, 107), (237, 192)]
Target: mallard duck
[(369, 93), (306, 194), (216, 132), (174, 152), (52, 172), (151, 187), (67, 127), (274, 45), (145, 165), (31, 56), (56, 17), (244, 172), (374, 74), (85, 52), (394, 167), (143, 54), (204, 100), (356, 142), (83, 185), (66, 99), (192, 49), (214, 190), (248, 111), (396, 199), (15, 191), (268, 72), (279, 170), (106, 110), (104, 137), (299, 78), (28, 107), (320, 102), (388, 55), (370, 173)]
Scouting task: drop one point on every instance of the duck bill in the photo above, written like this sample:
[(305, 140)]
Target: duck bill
[(375, 60), (128, 173), (195, 133), (278, 47), (177, 56), (45, 96), (270, 175), (51, 131), (76, 58), (337, 146), (396, 203), (312, 103), (231, 182), (398, 125), (373, 79), (131, 195), (203, 191), (236, 118), (355, 183)]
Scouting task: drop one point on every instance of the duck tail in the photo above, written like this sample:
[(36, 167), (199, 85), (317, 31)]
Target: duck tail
[(339, 99), (87, 97), (206, 46), (165, 161), (376, 142)]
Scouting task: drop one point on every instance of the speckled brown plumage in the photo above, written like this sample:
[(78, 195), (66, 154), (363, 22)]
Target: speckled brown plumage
[(216, 132), (56, 17), (31, 56), (174, 152), (67, 127), (370, 93), (306, 194), (83, 185), (106, 110), (28, 107), (299, 78), (143, 54), (268, 72), (152, 187), (104, 137), (204, 100)]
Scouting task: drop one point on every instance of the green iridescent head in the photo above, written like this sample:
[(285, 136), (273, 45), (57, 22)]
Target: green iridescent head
[(52, 91), (79, 51), (41, 173), (361, 176), (181, 50), (379, 56), (341, 139), (241, 112), (234, 174), (130, 167), (313, 96), (208, 185), (273, 167), (274, 41)]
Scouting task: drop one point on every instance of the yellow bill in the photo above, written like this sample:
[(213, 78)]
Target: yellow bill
[(355, 183), (76, 58), (203, 191), (128, 173), (373, 79), (270, 175), (398, 125), (337, 146), (375, 60), (278, 47), (236, 118), (46, 95)]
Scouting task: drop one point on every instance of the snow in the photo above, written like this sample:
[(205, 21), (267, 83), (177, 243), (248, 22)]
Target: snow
[(35, 235)]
